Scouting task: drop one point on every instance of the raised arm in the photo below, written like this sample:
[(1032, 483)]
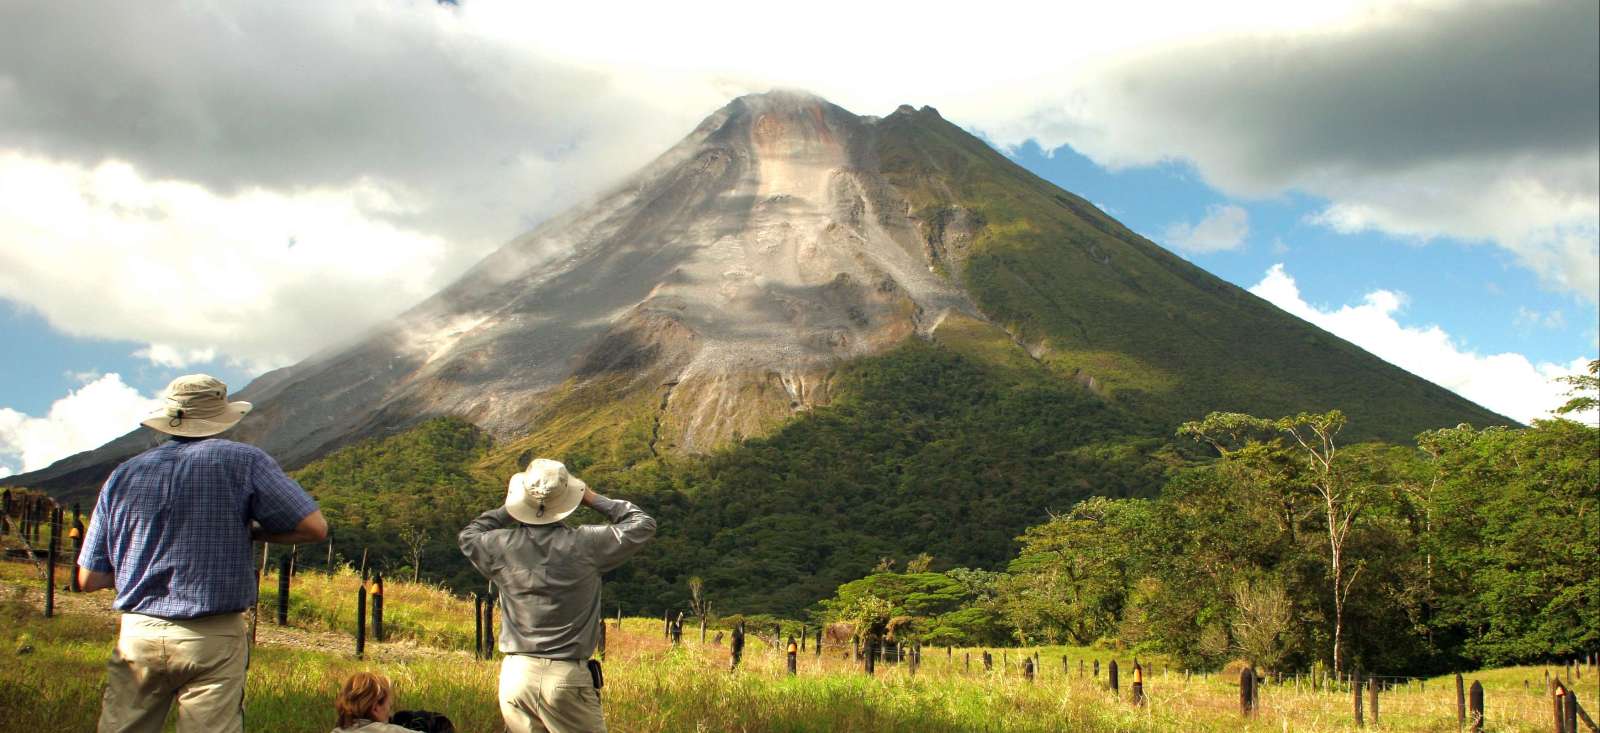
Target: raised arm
[(630, 529), (473, 538)]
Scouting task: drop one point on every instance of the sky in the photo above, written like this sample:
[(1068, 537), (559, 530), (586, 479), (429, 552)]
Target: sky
[(231, 187)]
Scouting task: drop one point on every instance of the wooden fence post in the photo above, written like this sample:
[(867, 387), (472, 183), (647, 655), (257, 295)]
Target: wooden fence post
[(1027, 669), (361, 620), (677, 630), (477, 625), (1138, 684), (794, 651), (818, 648), (1355, 690), (1461, 704), (76, 535), (1372, 697), (1475, 706), (966, 662), (702, 629), (988, 661), (50, 563), (489, 640), (1247, 691), (1097, 669), (737, 647), (377, 607), (283, 589), (1111, 676)]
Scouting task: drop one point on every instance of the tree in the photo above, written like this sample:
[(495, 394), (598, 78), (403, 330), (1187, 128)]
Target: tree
[(415, 538), (1263, 612), (697, 599), (919, 564), (1585, 392), (1315, 435)]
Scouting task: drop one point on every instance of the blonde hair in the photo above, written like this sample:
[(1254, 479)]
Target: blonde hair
[(361, 693)]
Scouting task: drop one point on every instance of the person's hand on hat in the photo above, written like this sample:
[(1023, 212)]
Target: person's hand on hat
[(589, 496)]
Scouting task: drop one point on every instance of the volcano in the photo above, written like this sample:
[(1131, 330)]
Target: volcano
[(714, 295)]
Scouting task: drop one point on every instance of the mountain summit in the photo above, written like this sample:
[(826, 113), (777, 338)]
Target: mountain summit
[(714, 294)]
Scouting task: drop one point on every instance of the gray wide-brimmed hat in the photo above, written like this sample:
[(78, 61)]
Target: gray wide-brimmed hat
[(197, 407), (544, 493)]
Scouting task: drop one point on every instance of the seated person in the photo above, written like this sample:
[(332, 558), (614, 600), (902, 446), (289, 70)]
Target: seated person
[(365, 705)]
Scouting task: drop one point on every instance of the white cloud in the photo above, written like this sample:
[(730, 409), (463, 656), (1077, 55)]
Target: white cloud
[(172, 356), (158, 159), (85, 419), (6, 470), (1224, 228), (1507, 383), (1531, 317), (106, 253)]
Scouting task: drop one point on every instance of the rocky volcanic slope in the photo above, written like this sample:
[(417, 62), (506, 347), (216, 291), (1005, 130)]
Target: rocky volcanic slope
[(713, 294)]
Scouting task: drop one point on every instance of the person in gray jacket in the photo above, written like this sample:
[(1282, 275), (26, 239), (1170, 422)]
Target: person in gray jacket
[(548, 575)]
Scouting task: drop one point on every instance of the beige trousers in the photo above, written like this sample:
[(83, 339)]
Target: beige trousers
[(200, 663), (555, 695)]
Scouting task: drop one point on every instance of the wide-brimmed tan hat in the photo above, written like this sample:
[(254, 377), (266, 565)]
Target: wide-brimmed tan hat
[(544, 493), (197, 406)]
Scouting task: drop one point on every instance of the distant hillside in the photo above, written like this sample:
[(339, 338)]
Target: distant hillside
[(1096, 302)]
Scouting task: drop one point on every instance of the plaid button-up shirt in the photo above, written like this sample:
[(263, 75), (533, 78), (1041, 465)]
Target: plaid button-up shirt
[(173, 526)]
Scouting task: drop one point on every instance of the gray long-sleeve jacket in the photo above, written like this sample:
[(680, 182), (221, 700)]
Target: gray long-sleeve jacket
[(549, 574)]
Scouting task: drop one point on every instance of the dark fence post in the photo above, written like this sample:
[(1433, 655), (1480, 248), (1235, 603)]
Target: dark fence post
[(988, 661), (1555, 689), (283, 589), (794, 650), (76, 535), (1138, 684), (1097, 669), (1247, 691), (377, 607), (1027, 669), (666, 624), (677, 630), (1475, 703), (1461, 704), (737, 646), (489, 642), (477, 625), (361, 620), (50, 564), (1111, 675), (1372, 697), (1355, 690), (1066, 669), (703, 631), (967, 657)]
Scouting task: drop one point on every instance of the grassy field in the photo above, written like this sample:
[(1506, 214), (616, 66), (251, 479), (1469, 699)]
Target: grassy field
[(51, 672)]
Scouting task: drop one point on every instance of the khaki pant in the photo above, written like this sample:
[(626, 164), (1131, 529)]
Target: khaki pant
[(200, 663), (555, 695)]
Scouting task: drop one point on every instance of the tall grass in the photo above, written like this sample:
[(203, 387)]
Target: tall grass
[(651, 686)]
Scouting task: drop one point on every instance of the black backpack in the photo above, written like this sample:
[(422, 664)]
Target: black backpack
[(423, 720)]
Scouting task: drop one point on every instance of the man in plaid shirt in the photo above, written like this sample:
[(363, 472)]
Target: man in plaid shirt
[(172, 533)]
